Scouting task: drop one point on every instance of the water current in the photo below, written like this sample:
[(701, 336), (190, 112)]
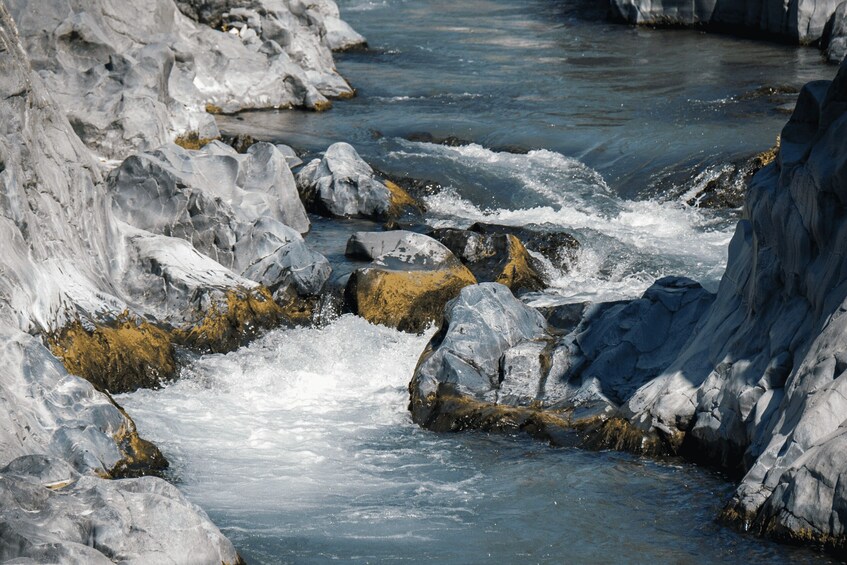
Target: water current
[(300, 446)]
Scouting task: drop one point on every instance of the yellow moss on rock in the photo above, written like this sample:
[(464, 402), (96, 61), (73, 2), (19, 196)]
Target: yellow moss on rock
[(119, 357), (322, 106), (247, 313), (192, 141), (140, 457), (401, 200), (406, 300), (214, 109), (518, 271)]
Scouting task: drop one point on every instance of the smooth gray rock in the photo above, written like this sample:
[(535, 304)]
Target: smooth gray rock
[(480, 326), (136, 75), (342, 184), (803, 21), (399, 246), (242, 210), (51, 514)]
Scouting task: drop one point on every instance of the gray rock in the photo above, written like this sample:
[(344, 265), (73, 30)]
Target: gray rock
[(803, 21), (480, 326), (836, 46), (341, 184), (94, 520), (399, 246), (242, 210), (134, 76)]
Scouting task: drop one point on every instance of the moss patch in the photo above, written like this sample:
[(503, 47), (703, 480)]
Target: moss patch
[(322, 106), (518, 271), (402, 201), (247, 313), (213, 109), (621, 435), (192, 141), (406, 300), (120, 357), (140, 457)]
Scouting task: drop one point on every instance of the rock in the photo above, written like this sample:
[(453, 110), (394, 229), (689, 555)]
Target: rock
[(411, 278), (803, 21), (132, 76), (94, 520), (728, 187), (498, 258), (558, 247), (480, 326), (341, 184), (242, 210), (836, 44)]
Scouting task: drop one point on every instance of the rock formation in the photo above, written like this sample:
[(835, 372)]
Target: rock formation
[(803, 21), (341, 184), (750, 380)]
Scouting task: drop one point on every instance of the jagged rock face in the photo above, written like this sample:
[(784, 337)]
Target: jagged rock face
[(409, 281), (243, 210), (836, 47), (803, 21), (134, 75), (52, 514), (341, 184)]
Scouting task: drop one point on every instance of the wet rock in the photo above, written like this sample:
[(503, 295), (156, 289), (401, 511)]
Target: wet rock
[(498, 258), (411, 278), (803, 21), (480, 326), (94, 520), (132, 76), (341, 184), (836, 44), (728, 187), (558, 247)]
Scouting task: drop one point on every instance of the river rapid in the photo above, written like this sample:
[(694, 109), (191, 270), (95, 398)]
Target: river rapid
[(300, 446)]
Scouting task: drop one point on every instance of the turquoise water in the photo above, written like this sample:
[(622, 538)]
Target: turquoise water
[(300, 446)]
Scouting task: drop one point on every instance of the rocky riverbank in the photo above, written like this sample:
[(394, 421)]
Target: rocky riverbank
[(748, 380), (137, 237)]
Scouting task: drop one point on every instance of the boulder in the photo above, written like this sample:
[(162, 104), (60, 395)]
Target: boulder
[(498, 258), (836, 42), (803, 21), (341, 184), (558, 247), (135, 76), (94, 520), (242, 210), (409, 281)]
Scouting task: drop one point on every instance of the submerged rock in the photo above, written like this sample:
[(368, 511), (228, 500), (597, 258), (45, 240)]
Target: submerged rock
[(410, 279), (341, 184)]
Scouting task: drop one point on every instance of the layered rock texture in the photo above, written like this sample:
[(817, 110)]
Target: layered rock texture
[(802, 21), (135, 75), (750, 379), (103, 276)]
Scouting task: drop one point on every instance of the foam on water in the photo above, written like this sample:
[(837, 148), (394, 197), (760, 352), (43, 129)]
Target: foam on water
[(626, 244)]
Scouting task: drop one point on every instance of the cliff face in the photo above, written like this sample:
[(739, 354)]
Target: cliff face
[(802, 21)]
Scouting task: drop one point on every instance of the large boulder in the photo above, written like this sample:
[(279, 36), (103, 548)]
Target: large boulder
[(341, 184), (94, 520), (242, 210), (136, 75), (803, 21), (409, 281)]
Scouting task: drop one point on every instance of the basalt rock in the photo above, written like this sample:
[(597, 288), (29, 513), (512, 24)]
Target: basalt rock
[(410, 279), (803, 21), (498, 258), (137, 75), (728, 187), (341, 184), (558, 247)]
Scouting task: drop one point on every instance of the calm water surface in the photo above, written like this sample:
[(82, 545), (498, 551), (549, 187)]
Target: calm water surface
[(300, 446)]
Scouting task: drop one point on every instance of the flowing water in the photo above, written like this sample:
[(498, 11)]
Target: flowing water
[(300, 446)]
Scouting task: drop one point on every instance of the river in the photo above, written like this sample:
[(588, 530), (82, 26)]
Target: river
[(300, 447)]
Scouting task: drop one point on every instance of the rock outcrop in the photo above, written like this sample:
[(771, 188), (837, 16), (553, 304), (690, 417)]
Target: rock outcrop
[(802, 21), (751, 380), (137, 75), (409, 281), (341, 184)]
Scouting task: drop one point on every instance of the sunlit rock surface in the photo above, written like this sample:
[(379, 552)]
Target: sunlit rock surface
[(135, 75), (410, 279), (341, 184), (803, 21)]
